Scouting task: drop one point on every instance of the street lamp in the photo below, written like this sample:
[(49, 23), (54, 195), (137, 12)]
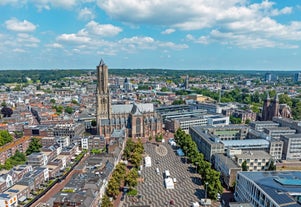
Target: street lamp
[(206, 183)]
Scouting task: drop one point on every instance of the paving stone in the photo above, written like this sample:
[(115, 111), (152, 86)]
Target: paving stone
[(153, 193)]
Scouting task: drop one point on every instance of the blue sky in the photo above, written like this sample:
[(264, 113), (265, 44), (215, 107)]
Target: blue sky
[(172, 34)]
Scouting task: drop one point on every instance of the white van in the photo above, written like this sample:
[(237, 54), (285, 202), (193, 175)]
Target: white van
[(158, 171), (167, 174)]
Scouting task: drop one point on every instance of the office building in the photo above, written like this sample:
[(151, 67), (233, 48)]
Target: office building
[(291, 146), (269, 189), (255, 160)]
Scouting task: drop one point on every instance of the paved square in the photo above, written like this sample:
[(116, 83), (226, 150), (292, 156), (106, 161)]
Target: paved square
[(152, 191)]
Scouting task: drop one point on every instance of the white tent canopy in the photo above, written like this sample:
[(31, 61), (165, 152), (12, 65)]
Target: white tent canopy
[(148, 161)]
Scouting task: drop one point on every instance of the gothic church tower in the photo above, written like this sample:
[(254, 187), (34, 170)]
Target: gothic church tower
[(103, 99)]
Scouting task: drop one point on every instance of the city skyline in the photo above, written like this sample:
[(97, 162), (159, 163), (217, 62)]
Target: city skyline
[(168, 34)]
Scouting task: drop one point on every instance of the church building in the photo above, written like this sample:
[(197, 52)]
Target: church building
[(137, 119), (273, 108)]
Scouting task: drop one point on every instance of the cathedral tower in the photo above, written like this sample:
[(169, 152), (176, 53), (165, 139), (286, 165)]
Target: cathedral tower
[(103, 99)]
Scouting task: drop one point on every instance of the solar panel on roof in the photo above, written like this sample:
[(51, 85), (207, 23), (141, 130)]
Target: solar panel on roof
[(279, 198), (13, 190)]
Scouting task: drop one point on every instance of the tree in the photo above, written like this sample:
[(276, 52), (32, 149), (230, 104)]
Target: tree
[(244, 166), (58, 109), (128, 149), (285, 99), (105, 202), (119, 172), (5, 137), (272, 166), (74, 102), (131, 178), (178, 102), (214, 186), (135, 159), (247, 121), (113, 187), (164, 89), (69, 110), (235, 120), (3, 104), (6, 111), (52, 101), (93, 123), (34, 146), (296, 111)]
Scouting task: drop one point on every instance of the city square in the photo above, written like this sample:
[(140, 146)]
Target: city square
[(152, 191)]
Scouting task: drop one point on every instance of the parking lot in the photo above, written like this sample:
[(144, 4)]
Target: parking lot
[(152, 191)]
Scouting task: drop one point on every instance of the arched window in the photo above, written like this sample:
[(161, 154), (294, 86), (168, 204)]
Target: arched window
[(138, 126)]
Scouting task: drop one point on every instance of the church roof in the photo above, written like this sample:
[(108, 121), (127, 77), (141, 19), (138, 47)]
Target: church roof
[(127, 108), (121, 108)]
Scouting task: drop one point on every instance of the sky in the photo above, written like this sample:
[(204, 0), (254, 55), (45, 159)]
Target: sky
[(167, 34)]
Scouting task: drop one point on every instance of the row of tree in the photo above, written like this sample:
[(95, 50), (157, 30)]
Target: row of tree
[(210, 177), (121, 177)]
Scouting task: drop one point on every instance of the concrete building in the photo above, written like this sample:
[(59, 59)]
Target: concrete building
[(93, 142), (173, 124), (256, 160), (286, 122), (260, 125), (37, 159), (247, 144), (276, 132), (206, 143), (227, 168), (227, 132), (276, 149), (63, 141), (291, 146), (269, 189), (71, 130)]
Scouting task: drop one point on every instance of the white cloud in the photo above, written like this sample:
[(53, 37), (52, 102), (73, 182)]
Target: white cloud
[(86, 14), (241, 18), (23, 37), (136, 43), (19, 50), (73, 38), (12, 2), (19, 26), (102, 29), (47, 4), (54, 45), (168, 31)]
